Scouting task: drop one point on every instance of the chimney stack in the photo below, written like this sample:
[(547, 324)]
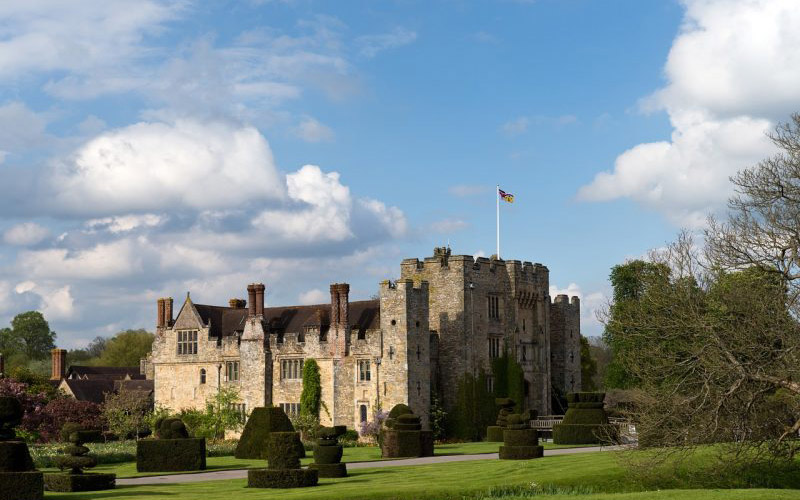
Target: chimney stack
[(251, 298), (160, 314), (340, 304), (59, 364), (260, 299), (168, 311)]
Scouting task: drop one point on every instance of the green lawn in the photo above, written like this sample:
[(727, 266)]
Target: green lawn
[(351, 455), (590, 475)]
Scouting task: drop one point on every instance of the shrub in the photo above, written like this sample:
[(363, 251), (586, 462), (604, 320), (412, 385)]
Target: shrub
[(22, 486), (219, 416), (372, 428), (256, 435), (585, 421), (62, 410), (165, 455)]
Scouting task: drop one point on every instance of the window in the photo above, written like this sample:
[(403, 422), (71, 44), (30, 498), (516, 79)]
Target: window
[(202, 375), (232, 371), (489, 384), (494, 307), (363, 413), (494, 347), (187, 342), (291, 369), (364, 374), (291, 409)]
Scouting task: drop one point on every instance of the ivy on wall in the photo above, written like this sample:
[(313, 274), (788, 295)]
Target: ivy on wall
[(311, 396)]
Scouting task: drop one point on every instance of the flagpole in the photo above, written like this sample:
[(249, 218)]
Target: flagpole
[(497, 200)]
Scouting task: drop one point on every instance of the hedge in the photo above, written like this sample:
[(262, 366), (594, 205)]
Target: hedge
[(281, 478), (494, 434), (166, 455), (14, 457), (282, 451), (79, 482), (521, 437), (21, 485), (330, 470), (255, 437), (521, 452), (327, 454)]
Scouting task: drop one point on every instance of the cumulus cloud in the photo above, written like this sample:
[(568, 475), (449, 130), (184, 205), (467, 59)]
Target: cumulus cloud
[(125, 223), (732, 73), (152, 166), (25, 234), (371, 45), (112, 260), (55, 303), (449, 225)]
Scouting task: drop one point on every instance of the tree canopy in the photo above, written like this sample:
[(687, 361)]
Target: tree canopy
[(126, 348)]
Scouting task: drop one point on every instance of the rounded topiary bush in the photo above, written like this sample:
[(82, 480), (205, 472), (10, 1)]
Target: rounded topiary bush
[(10, 416), (171, 428), (585, 422)]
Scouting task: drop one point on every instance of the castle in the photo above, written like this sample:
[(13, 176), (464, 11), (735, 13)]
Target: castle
[(446, 316)]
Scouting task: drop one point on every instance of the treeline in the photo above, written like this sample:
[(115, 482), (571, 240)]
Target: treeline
[(27, 341)]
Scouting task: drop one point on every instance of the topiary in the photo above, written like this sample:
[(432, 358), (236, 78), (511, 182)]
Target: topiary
[(171, 428), (255, 437), (10, 416), (75, 458)]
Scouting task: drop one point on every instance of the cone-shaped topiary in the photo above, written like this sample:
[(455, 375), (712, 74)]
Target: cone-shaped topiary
[(283, 469), (585, 422), (19, 479), (172, 450), (75, 458), (255, 437)]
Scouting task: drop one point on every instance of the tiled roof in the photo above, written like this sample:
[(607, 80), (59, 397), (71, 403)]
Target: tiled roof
[(104, 372), (226, 321), (90, 390)]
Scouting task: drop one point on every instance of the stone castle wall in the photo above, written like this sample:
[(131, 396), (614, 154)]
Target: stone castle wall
[(566, 353)]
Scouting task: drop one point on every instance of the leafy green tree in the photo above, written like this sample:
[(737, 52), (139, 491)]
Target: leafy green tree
[(588, 366), (33, 333), (126, 348), (126, 412), (630, 282)]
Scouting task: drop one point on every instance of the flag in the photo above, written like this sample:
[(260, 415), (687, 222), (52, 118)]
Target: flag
[(506, 196)]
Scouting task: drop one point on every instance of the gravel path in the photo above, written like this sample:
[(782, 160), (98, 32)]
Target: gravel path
[(242, 473)]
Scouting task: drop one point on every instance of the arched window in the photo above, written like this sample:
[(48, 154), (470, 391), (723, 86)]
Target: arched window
[(202, 375), (363, 411)]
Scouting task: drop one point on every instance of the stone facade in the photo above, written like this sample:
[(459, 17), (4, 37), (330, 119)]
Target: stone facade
[(447, 315)]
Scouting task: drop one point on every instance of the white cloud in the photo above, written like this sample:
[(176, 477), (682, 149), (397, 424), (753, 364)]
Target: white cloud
[(125, 223), (315, 296), (56, 36), (733, 71), (25, 234), (55, 303), (106, 260), (326, 208), (371, 45), (391, 219), (150, 166), (311, 130), (21, 128), (516, 127)]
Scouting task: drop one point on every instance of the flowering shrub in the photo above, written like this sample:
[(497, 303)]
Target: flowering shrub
[(61, 410), (372, 429), (32, 404)]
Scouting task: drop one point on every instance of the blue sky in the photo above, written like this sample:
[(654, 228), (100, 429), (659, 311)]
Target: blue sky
[(151, 148)]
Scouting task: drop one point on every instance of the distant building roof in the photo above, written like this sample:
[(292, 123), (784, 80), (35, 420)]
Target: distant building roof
[(87, 390), (103, 372)]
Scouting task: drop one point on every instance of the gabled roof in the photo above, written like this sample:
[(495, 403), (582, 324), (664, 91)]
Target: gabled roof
[(134, 385), (90, 390)]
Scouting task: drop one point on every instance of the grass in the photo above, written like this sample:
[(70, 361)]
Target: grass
[(351, 455), (589, 476)]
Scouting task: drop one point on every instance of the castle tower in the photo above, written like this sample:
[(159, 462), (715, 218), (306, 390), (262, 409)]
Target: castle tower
[(566, 343), (254, 355)]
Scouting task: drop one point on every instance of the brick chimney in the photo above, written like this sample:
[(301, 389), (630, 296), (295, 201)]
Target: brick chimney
[(168, 311), (160, 314), (260, 288), (59, 364), (251, 298), (340, 316)]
